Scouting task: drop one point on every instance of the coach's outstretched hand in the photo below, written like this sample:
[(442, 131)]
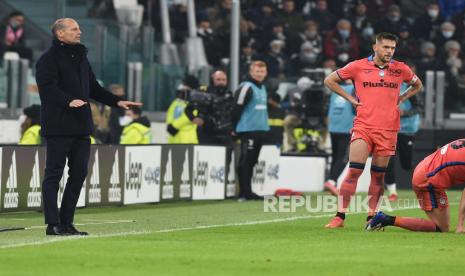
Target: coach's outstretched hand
[(77, 103), (128, 104)]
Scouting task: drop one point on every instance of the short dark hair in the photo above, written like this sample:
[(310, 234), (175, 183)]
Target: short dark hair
[(387, 36), (15, 13)]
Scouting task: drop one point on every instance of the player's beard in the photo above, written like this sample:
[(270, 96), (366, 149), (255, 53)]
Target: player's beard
[(386, 58)]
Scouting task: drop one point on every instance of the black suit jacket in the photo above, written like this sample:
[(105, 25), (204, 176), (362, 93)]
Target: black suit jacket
[(63, 74)]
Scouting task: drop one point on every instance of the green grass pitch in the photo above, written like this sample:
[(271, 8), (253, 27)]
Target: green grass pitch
[(226, 238)]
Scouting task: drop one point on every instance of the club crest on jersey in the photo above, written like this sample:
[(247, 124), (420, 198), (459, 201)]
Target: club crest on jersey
[(381, 73)]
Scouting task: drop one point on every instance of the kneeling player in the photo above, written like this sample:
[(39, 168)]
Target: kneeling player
[(436, 173)]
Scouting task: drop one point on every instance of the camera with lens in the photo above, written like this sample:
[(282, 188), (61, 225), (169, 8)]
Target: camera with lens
[(214, 108), (309, 103)]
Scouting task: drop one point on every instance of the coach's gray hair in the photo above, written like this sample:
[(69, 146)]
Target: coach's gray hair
[(60, 24)]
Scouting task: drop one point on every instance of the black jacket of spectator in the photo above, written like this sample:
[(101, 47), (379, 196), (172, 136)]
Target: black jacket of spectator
[(63, 74), (426, 28)]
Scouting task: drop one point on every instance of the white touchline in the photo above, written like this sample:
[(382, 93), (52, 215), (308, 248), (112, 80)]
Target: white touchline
[(122, 234), (87, 223)]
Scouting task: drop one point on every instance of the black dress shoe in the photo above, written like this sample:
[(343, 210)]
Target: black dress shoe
[(73, 231), (56, 230), (254, 196)]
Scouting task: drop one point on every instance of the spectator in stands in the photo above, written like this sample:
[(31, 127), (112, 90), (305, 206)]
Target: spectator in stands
[(309, 57), (407, 47), (427, 60), (323, 16), (446, 33), (275, 32), (392, 21), (212, 45), (115, 115), (178, 21), (102, 9), (454, 98), (262, 16), (101, 118), (30, 126), (427, 25), (453, 60), (247, 57), (342, 43), (342, 8), (136, 128), (12, 36), (367, 37), (377, 9), (276, 62), (329, 64), (292, 20), (220, 16), (360, 19)]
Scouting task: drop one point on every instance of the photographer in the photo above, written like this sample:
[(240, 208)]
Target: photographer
[(304, 124), (216, 111)]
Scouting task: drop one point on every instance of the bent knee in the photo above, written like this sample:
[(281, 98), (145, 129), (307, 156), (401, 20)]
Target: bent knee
[(442, 228)]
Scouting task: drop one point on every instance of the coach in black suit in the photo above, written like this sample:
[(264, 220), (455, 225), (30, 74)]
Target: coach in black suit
[(66, 82)]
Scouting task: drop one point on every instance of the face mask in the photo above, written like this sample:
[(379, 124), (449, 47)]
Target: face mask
[(125, 120), (368, 31), (433, 13), (447, 34), (310, 34), (394, 18), (276, 51), (22, 119), (343, 57), (344, 33)]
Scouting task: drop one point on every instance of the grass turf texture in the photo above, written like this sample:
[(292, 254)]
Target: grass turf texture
[(213, 238)]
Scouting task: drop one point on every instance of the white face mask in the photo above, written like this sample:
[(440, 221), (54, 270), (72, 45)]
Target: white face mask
[(433, 13), (447, 34), (125, 120), (22, 119)]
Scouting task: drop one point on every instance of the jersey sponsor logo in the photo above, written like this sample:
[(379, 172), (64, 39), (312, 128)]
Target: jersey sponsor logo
[(391, 85), (442, 201), (394, 72)]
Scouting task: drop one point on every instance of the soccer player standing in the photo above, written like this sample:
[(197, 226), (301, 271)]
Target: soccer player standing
[(437, 172), (377, 80)]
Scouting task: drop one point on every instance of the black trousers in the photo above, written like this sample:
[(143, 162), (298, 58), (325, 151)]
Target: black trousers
[(251, 143), (405, 154), (339, 146), (77, 150)]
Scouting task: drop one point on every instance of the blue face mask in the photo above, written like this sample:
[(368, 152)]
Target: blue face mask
[(344, 33)]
